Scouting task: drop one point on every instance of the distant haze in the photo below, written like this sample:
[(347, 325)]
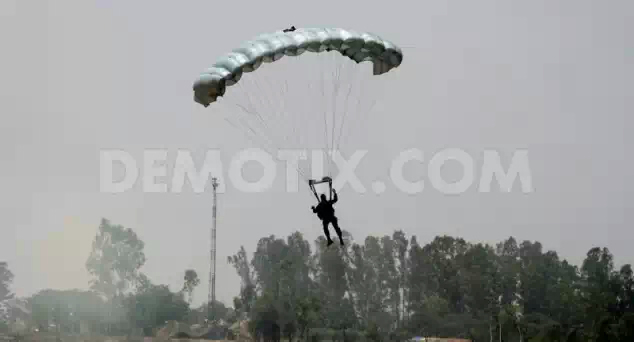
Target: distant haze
[(552, 77)]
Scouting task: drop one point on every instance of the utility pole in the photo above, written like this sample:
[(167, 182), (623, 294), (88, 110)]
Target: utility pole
[(212, 267)]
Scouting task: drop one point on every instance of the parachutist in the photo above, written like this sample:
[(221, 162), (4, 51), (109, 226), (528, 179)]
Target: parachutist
[(326, 214), (291, 29)]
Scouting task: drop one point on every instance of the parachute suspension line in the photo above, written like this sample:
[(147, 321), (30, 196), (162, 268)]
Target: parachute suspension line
[(367, 110), (279, 114), (252, 112), (263, 104), (324, 106), (334, 140), (263, 120), (259, 125), (330, 126), (248, 128), (335, 93), (338, 94), (356, 114), (345, 110), (250, 137), (266, 148), (255, 113), (360, 108), (291, 117), (254, 134), (267, 141)]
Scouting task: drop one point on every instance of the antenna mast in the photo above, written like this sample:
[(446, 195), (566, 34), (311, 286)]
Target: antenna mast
[(212, 267)]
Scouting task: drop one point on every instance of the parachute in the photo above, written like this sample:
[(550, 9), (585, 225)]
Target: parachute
[(303, 97)]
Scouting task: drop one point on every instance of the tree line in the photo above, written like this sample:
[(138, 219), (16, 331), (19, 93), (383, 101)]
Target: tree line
[(393, 288), (382, 288)]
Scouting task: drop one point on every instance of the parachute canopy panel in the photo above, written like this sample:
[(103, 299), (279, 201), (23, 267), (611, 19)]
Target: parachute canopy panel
[(267, 48)]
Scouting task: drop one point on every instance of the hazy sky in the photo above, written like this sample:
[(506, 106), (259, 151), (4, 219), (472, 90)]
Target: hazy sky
[(77, 77)]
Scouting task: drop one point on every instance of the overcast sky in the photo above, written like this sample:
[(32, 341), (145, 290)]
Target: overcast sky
[(554, 78)]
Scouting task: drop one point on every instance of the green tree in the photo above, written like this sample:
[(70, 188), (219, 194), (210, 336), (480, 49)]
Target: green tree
[(389, 276), (115, 260), (509, 312), (6, 278), (242, 265), (600, 300), (625, 323), (271, 266), (154, 305), (296, 284), (114, 263), (401, 248), (361, 277), (331, 271), (447, 288), (191, 280), (480, 281)]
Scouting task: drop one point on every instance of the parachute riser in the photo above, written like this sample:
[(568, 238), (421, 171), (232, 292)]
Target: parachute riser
[(312, 183)]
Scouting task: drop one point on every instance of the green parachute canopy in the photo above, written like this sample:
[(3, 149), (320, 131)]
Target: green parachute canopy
[(268, 48)]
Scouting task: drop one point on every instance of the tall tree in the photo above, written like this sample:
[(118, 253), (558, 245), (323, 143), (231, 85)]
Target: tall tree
[(626, 303), (390, 276), (331, 277), (401, 248), (240, 262), (116, 257), (6, 278), (600, 293), (114, 263), (298, 290), (190, 281), (510, 313), (379, 314), (271, 268), (480, 281), (361, 278)]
